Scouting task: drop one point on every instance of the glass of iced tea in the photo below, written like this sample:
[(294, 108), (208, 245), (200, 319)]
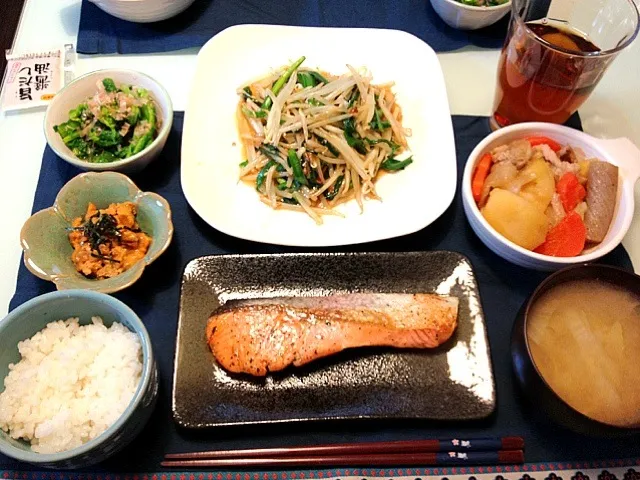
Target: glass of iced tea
[(555, 53)]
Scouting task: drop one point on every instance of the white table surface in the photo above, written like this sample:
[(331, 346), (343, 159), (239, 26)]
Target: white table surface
[(613, 110)]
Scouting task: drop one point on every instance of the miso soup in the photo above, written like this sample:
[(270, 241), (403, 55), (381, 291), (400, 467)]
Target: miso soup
[(584, 338)]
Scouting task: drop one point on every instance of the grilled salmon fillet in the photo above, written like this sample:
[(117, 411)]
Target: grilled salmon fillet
[(269, 335)]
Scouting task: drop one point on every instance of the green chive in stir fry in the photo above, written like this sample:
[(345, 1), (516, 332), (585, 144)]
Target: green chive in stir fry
[(313, 141), (115, 123)]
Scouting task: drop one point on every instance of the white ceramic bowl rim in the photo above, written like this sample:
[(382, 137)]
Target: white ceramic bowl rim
[(145, 378), (599, 250), (480, 8), (166, 125)]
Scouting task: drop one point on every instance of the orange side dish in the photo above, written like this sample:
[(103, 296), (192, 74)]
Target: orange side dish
[(107, 242)]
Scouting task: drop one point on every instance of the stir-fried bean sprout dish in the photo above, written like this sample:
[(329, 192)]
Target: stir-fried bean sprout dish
[(313, 140)]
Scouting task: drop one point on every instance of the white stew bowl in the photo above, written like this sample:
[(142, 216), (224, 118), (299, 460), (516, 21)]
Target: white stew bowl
[(620, 152)]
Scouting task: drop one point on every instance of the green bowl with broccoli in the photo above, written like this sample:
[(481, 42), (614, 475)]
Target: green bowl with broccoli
[(109, 120)]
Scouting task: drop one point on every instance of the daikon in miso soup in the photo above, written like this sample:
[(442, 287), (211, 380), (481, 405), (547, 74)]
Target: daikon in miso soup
[(584, 338)]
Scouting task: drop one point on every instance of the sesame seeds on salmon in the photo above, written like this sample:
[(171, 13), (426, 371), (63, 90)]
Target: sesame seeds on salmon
[(269, 335)]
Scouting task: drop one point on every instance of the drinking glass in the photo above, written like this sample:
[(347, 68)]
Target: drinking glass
[(555, 53)]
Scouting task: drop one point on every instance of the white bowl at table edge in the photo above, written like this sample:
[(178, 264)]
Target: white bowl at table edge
[(143, 11), (621, 152), (84, 87), (468, 17)]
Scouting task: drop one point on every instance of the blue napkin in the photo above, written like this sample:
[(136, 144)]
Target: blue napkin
[(102, 33), (155, 298)]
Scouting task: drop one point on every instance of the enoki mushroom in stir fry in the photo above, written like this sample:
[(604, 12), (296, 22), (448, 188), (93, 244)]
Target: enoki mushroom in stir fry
[(313, 141)]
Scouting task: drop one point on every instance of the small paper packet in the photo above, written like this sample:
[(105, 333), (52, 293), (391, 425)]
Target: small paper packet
[(33, 79)]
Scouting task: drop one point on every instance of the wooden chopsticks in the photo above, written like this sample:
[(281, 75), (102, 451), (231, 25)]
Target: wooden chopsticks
[(481, 451)]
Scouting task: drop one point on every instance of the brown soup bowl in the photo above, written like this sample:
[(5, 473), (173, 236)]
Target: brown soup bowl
[(533, 385)]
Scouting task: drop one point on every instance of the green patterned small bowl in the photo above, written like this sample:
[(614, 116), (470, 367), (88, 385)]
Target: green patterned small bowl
[(45, 241)]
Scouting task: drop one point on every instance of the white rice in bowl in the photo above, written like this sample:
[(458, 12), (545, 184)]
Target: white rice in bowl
[(71, 384)]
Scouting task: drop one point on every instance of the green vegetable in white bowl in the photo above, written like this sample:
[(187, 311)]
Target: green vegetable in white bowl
[(116, 122), (471, 14), (111, 119)]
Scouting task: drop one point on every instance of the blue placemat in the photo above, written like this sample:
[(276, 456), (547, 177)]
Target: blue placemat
[(155, 298), (102, 33)]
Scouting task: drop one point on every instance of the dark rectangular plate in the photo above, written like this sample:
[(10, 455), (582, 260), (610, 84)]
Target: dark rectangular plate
[(452, 382)]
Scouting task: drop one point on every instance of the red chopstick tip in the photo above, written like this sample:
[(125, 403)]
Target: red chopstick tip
[(512, 443), (511, 456)]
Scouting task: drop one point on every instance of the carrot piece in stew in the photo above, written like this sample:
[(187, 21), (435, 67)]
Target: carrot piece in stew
[(566, 239), (570, 190), (480, 175), (555, 146)]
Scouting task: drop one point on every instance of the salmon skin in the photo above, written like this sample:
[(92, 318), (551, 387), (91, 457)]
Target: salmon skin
[(268, 335)]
